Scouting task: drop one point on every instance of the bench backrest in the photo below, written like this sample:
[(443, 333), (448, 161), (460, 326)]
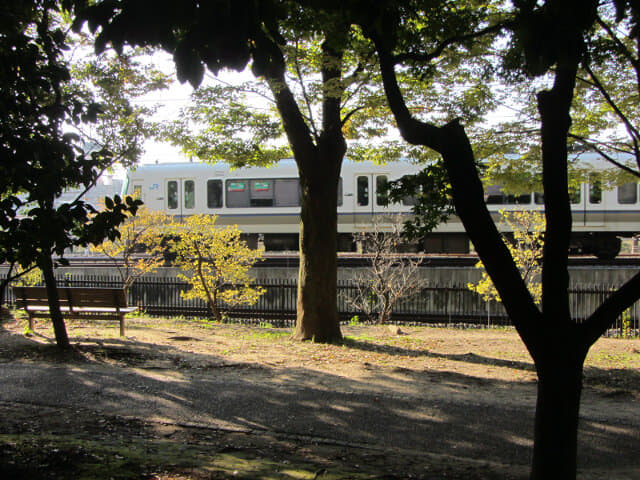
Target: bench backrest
[(97, 297)]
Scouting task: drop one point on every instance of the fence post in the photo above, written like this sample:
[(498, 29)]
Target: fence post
[(488, 303)]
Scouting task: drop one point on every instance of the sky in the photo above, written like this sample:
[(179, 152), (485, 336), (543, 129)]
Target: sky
[(171, 101)]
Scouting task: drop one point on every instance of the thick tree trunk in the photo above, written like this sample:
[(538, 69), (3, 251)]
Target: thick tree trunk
[(557, 411), (317, 305), (59, 329)]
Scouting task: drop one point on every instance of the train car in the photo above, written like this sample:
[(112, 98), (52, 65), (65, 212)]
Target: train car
[(265, 204)]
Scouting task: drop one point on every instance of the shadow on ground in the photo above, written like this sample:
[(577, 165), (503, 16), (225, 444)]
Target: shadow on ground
[(313, 416)]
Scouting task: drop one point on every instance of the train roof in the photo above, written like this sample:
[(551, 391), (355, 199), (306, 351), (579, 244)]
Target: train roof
[(286, 166)]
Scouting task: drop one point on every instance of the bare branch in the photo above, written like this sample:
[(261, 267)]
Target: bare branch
[(305, 95), (631, 129), (442, 46), (593, 145)]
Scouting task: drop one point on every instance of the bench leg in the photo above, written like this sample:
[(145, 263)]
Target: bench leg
[(32, 323), (122, 325)]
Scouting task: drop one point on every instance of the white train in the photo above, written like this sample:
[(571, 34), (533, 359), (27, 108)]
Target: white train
[(264, 203)]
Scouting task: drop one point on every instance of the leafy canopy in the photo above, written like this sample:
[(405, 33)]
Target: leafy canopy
[(215, 262)]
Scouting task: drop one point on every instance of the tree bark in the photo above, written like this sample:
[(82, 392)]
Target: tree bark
[(59, 328), (317, 310), (557, 411), (319, 158)]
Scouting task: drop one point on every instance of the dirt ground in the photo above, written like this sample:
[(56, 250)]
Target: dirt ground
[(472, 391)]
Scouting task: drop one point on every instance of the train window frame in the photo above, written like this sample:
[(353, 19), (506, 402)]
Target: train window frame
[(575, 194), (381, 197), (267, 195), (189, 194), (261, 192), (494, 195), (286, 192), (362, 190), (214, 198), (237, 193), (595, 190), (173, 194), (631, 193)]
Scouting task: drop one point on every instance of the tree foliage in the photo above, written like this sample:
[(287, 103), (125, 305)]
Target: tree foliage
[(430, 192), (215, 263), (44, 159), (140, 247), (525, 242), (546, 45), (320, 71), (115, 83)]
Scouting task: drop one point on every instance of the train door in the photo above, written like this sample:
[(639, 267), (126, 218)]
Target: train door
[(595, 202), (137, 192), (369, 198), (181, 196), (587, 202), (172, 196)]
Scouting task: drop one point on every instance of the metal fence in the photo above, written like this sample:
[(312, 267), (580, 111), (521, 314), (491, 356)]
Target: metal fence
[(434, 304)]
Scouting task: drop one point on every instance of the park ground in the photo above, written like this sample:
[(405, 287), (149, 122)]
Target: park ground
[(191, 399)]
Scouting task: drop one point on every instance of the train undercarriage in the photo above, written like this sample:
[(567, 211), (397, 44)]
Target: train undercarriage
[(603, 245)]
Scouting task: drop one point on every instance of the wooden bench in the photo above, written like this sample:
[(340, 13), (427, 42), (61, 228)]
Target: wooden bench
[(75, 302)]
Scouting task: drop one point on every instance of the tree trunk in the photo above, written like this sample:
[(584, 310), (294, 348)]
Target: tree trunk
[(59, 329), (557, 411), (317, 304), (5, 283)]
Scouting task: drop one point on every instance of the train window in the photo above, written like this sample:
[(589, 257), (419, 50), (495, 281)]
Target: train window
[(287, 192), (172, 194), (409, 201), (538, 198), (189, 194), (237, 194), (269, 192), (575, 194), (595, 190), (363, 191), (524, 199), (261, 193), (214, 193), (628, 193), (137, 191), (381, 186), (495, 196)]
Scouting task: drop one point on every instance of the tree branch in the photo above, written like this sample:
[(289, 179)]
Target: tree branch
[(269, 62), (442, 46), (305, 95), (453, 144), (604, 154), (604, 316), (331, 102), (350, 114), (554, 106), (623, 48), (631, 129), (412, 130)]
